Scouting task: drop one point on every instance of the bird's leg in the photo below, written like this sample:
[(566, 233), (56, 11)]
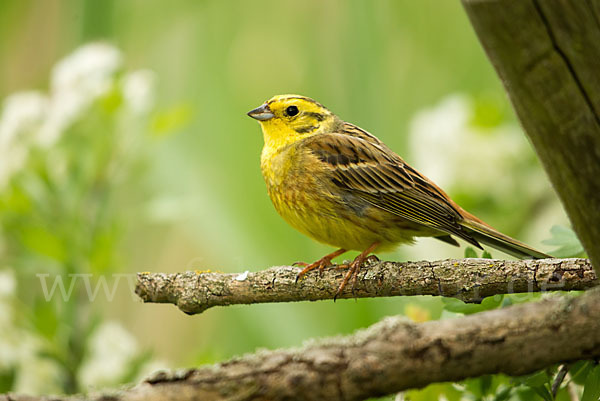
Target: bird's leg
[(354, 267), (321, 263), (344, 266)]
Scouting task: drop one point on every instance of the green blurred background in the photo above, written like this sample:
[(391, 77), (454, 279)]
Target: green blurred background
[(197, 199)]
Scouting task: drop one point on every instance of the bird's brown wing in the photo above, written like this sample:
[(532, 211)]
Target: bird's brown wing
[(360, 163)]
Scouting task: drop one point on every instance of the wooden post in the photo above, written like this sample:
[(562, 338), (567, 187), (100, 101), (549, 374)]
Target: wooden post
[(547, 53)]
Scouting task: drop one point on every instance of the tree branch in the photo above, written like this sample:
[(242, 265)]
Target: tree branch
[(547, 54), (467, 279), (393, 355), (536, 47)]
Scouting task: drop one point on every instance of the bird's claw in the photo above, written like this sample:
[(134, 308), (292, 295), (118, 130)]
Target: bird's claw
[(372, 259), (353, 268), (321, 264), (304, 271)]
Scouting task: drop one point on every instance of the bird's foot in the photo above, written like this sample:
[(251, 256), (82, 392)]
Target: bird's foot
[(303, 264), (347, 263), (353, 268), (322, 263)]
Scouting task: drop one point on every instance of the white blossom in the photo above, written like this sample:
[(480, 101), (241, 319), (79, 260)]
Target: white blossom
[(89, 69), (448, 148), (12, 159), (20, 350), (9, 350), (111, 350), (138, 90), (8, 283), (22, 114), (9, 347), (36, 373), (76, 81)]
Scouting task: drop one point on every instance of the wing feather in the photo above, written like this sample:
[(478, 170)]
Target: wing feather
[(362, 164)]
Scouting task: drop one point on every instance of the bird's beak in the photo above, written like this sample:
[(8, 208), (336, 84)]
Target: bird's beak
[(261, 113)]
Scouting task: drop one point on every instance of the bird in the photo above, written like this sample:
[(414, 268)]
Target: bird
[(342, 186)]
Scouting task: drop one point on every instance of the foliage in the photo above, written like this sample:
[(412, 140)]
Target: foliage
[(66, 162), (566, 241)]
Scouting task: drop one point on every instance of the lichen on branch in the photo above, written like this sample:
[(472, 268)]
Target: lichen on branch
[(470, 280)]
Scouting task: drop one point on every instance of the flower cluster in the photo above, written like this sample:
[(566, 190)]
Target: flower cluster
[(59, 151), (450, 147), (37, 119)]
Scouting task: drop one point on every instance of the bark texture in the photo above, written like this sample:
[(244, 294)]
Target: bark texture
[(393, 355), (547, 53), (467, 279)]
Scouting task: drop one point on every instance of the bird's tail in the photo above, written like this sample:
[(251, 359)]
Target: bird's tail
[(489, 236)]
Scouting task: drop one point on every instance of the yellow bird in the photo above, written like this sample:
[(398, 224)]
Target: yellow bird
[(340, 185)]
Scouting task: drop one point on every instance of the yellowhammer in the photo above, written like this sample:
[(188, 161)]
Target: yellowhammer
[(340, 185)]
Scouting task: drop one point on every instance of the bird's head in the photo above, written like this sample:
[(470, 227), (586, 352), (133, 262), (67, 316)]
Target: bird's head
[(287, 118)]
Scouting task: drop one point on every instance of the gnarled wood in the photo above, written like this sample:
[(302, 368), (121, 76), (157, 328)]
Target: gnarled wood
[(391, 356)]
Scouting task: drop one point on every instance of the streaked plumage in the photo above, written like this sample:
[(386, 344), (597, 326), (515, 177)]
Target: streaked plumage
[(342, 186)]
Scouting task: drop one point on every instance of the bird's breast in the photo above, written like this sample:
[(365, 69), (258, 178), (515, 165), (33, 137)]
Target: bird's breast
[(291, 188), (303, 193), (295, 186)]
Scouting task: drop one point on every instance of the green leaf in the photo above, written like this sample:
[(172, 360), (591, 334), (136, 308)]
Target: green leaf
[(486, 384), (524, 393), (503, 394), (535, 379), (543, 392), (591, 389), (470, 252), (567, 242), (7, 380), (111, 101), (44, 318), (580, 370), (435, 392), (172, 120), (540, 382), (480, 386), (136, 365), (513, 299), (44, 242), (487, 113), (473, 387), (458, 306), (486, 255)]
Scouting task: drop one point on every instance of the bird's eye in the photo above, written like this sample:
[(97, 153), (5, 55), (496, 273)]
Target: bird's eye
[(291, 111)]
